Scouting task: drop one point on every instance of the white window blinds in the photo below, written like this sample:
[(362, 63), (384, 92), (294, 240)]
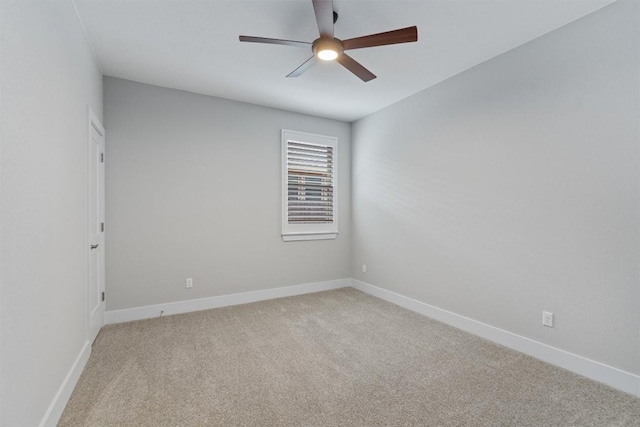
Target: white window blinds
[(309, 183), (309, 186)]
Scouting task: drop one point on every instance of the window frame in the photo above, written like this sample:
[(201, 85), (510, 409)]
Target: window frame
[(297, 232)]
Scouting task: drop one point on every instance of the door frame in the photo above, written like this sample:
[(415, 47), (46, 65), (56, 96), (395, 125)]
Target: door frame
[(95, 122)]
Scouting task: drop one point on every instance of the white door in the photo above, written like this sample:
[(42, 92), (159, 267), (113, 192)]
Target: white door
[(95, 245)]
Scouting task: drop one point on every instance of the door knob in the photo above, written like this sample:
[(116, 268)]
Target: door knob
[(94, 246)]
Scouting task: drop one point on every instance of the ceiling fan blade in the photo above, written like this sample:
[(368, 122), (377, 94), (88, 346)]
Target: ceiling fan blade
[(274, 41), (354, 66), (324, 16), (302, 68), (404, 35)]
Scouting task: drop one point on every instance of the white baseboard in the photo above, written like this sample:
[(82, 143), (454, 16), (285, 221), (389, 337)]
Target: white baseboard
[(149, 311), (597, 371), (55, 409)]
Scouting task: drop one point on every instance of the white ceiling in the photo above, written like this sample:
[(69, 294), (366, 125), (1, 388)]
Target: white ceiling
[(193, 46)]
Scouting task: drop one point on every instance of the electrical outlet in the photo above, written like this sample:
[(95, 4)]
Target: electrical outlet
[(364, 268), (547, 319), (189, 283)]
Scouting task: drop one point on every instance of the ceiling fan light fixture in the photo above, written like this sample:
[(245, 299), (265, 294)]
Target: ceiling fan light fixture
[(327, 49), (327, 54)]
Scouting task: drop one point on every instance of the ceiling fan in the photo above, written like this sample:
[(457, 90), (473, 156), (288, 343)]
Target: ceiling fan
[(329, 48)]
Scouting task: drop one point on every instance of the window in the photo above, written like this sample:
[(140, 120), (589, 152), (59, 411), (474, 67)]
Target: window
[(309, 190)]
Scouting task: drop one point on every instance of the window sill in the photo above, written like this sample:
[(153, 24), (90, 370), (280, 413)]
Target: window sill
[(295, 237)]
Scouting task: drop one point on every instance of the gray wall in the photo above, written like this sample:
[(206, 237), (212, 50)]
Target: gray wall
[(194, 190), (513, 188), (48, 77)]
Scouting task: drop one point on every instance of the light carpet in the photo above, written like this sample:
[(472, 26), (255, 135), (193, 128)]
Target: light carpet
[(335, 358)]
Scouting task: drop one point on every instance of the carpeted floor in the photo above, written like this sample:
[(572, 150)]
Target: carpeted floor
[(336, 358)]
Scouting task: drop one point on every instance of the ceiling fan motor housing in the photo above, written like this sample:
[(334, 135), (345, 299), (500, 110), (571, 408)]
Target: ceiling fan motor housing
[(325, 43)]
